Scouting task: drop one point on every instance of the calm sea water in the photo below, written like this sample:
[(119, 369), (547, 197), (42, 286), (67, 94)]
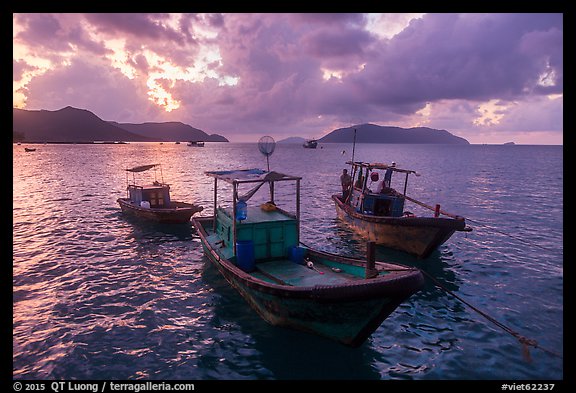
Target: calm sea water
[(100, 296)]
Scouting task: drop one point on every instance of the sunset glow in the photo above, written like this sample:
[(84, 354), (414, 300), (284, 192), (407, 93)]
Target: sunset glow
[(444, 71)]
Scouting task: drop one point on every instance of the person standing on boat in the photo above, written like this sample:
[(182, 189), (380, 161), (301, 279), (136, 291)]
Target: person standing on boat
[(346, 181), (388, 175)]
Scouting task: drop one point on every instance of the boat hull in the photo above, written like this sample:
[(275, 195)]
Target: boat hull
[(347, 313), (177, 213), (418, 236)]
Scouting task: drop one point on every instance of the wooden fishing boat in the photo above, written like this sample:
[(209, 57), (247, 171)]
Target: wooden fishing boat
[(379, 215), (152, 201), (311, 144), (258, 251)]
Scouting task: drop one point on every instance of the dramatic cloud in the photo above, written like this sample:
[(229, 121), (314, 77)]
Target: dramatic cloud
[(484, 77)]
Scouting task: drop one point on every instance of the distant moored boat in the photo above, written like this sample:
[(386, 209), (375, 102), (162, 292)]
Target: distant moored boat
[(311, 144)]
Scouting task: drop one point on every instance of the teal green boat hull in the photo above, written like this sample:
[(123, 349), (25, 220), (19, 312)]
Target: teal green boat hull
[(332, 300)]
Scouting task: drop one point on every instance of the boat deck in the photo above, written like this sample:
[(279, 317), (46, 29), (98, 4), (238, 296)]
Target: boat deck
[(256, 215), (286, 272)]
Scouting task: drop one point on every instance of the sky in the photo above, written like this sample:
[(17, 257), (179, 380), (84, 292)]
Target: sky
[(489, 78)]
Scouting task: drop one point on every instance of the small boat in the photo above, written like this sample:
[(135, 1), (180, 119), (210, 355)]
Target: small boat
[(311, 144), (258, 251), (196, 143), (379, 214), (29, 149), (152, 201)]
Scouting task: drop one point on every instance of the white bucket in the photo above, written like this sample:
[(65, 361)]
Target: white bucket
[(145, 204)]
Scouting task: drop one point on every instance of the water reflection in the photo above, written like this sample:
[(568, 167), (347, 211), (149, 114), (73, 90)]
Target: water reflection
[(281, 353)]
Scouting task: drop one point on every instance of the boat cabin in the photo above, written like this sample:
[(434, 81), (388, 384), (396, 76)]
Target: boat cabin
[(372, 193), (154, 195), (272, 230)]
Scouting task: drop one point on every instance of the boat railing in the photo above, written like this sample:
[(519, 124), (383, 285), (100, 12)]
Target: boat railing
[(436, 209)]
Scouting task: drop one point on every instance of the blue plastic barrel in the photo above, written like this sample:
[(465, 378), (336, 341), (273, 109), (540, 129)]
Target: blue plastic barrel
[(245, 255), (241, 210), (297, 255)]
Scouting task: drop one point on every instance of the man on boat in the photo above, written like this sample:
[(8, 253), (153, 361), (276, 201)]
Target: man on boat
[(388, 175), (346, 181)]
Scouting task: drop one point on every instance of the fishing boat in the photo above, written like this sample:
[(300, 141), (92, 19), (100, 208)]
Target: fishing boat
[(379, 214), (196, 143), (152, 201), (311, 144), (258, 251), (29, 149)]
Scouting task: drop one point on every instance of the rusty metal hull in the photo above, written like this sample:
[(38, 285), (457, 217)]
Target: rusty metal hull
[(345, 312), (418, 236), (177, 213)]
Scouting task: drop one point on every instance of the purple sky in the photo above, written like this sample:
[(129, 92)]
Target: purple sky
[(489, 78)]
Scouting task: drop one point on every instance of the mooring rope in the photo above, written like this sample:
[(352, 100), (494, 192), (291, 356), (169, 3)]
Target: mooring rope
[(476, 222), (526, 342), (510, 235)]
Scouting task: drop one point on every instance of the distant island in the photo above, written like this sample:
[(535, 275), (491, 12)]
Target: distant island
[(293, 139), (372, 133), (73, 125)]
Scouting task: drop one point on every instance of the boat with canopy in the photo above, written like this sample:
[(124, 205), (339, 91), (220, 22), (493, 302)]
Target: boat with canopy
[(376, 210), (257, 249), (152, 200)]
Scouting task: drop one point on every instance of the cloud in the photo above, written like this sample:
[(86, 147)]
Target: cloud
[(90, 86), (242, 73)]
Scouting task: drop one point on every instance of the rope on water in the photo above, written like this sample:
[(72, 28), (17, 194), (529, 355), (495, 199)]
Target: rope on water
[(507, 234), (525, 342), (476, 222)]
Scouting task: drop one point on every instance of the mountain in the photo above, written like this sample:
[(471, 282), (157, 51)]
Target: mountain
[(67, 125), (293, 139), (372, 133), (169, 131)]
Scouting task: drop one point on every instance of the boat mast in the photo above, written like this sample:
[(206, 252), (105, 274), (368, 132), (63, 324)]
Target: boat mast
[(353, 148)]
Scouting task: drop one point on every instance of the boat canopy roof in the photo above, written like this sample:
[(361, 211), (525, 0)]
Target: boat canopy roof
[(378, 165), (142, 168), (250, 176)]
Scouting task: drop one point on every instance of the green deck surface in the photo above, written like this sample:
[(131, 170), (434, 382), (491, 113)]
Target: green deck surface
[(299, 275)]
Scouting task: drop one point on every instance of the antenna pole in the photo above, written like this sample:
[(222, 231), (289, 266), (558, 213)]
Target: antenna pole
[(354, 145)]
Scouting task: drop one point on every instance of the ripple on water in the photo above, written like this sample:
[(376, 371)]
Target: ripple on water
[(97, 295)]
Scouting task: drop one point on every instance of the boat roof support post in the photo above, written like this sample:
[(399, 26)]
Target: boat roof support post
[(406, 183), (127, 185), (234, 196), (298, 211), (215, 203)]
